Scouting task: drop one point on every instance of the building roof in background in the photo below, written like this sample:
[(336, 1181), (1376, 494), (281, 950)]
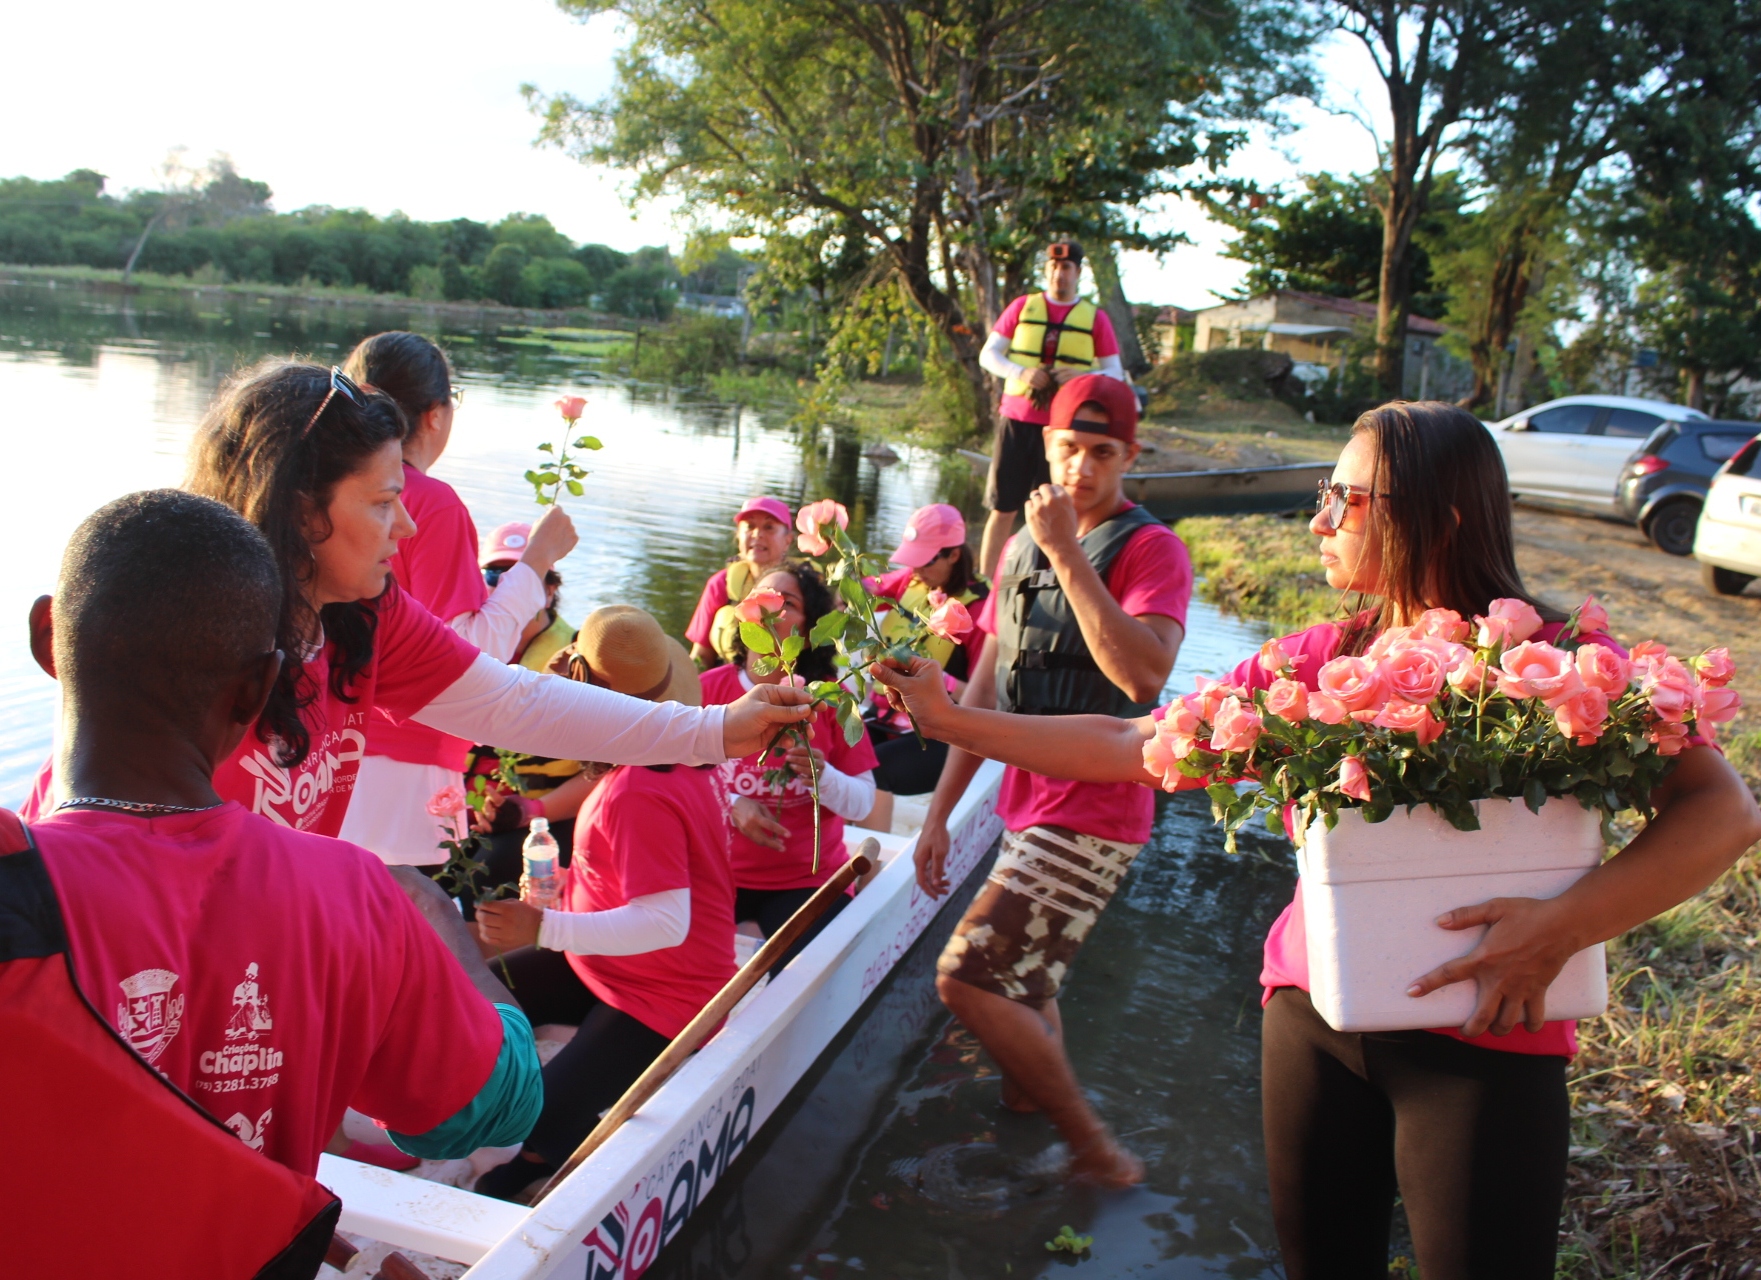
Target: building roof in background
[(1347, 306), (1176, 316)]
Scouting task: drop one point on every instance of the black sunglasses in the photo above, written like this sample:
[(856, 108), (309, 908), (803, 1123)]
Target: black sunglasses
[(340, 384), (493, 576)]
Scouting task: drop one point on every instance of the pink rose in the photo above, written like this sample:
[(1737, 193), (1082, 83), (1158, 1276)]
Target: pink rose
[(1645, 653), (1354, 779), (1671, 689), (1327, 710), (1207, 698), (1538, 670), (1442, 624), (1582, 716), (1380, 646), (1591, 617), (1508, 622), (448, 802), (1158, 761), (950, 620), (1717, 706), (1179, 727), (1602, 668), (1669, 739), (1274, 658), (1411, 717), (1469, 675), (1416, 670), (1714, 668), (811, 517), (1289, 700), (757, 603), (1236, 727), (1358, 683), (572, 407)]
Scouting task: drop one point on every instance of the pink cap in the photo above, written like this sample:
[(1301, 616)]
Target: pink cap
[(505, 542), (930, 531), (775, 508)]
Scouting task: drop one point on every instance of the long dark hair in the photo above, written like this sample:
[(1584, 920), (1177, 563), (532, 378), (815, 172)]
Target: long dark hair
[(962, 571), (1444, 526), (407, 367), (254, 453), (816, 601)]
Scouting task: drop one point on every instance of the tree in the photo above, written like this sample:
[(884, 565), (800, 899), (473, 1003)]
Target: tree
[(934, 141)]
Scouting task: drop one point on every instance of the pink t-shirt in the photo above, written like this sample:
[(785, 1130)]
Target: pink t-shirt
[(437, 566), (648, 830), (416, 658), (892, 586), (276, 977), (1152, 574), (791, 867), (715, 595), (1286, 960), (1106, 343)]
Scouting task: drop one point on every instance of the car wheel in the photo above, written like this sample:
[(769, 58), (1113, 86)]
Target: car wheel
[(1671, 527), (1724, 582)]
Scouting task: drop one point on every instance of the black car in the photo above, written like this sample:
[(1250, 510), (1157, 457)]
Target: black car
[(1663, 485)]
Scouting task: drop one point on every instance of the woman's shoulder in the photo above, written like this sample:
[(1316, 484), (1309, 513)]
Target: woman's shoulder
[(720, 684)]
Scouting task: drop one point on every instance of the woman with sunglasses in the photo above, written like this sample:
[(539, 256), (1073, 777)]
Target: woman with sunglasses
[(406, 762), (1470, 1125), (316, 463)]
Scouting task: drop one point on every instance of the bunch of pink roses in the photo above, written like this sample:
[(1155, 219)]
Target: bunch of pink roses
[(1445, 712)]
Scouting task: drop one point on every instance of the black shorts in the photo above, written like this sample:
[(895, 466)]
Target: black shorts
[(1018, 465)]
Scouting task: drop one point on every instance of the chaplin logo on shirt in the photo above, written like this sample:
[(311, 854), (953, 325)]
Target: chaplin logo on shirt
[(250, 1008), (150, 1015), (243, 1056), (251, 1135)]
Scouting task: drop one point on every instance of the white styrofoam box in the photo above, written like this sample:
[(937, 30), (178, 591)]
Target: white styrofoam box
[(1372, 892)]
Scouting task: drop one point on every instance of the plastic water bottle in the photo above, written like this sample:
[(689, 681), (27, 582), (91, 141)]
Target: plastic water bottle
[(539, 886)]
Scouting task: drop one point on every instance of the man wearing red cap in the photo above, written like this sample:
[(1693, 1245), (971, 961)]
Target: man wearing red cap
[(1040, 342), (1087, 618), (761, 533)]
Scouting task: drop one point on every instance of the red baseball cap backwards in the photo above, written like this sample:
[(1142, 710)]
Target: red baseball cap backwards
[(505, 542), (930, 531), (775, 508), (1109, 395)]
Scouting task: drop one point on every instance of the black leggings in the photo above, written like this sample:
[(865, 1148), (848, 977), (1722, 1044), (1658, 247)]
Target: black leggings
[(770, 909), (592, 1071), (906, 767), (1475, 1139)]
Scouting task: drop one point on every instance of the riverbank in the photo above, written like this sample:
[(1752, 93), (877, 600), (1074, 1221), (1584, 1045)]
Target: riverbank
[(1666, 1102)]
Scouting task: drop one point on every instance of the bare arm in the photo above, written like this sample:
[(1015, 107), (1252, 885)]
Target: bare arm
[(438, 909), (1136, 654), (957, 772), (1705, 819)]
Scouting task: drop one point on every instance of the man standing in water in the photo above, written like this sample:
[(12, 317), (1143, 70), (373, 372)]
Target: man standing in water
[(1087, 618), (1040, 342)]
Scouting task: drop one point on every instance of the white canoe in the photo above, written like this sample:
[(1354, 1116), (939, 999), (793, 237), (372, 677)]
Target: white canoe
[(611, 1216)]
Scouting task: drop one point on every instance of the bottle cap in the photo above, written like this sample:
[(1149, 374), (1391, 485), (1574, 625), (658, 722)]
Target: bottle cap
[(540, 825)]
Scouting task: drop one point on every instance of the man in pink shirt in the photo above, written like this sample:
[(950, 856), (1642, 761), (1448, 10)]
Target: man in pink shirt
[(1087, 618), (1040, 342)]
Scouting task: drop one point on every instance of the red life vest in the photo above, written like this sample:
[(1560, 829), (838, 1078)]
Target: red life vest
[(111, 1169)]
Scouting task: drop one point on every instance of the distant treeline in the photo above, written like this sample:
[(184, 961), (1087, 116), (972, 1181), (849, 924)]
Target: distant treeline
[(220, 226)]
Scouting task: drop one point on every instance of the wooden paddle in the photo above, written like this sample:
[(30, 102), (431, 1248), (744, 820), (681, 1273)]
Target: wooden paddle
[(716, 1011)]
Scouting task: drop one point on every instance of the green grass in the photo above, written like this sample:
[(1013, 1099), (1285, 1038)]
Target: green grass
[(1260, 567)]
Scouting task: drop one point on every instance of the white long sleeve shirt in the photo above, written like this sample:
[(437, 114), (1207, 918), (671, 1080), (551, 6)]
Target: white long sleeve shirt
[(994, 359), (651, 922), (496, 627)]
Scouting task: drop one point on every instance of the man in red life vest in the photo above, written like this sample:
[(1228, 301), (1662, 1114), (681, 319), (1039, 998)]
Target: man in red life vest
[(1040, 342)]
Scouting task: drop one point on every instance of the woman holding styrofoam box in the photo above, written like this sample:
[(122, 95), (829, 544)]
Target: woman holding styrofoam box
[(1453, 737)]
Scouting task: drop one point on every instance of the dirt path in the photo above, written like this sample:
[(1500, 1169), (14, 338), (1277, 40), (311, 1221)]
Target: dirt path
[(1649, 595)]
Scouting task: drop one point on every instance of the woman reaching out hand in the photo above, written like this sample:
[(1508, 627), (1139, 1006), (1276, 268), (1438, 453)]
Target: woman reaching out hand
[(1468, 1124)]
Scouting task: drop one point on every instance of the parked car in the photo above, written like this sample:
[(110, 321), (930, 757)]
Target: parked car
[(1728, 544), (1570, 452), (1663, 485)]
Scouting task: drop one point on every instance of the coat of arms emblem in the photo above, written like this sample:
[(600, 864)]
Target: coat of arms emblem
[(150, 1015)]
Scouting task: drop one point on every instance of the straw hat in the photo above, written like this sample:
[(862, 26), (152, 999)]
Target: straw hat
[(625, 650)]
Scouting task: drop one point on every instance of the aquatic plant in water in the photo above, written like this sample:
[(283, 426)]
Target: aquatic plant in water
[(1067, 1241), (557, 469)]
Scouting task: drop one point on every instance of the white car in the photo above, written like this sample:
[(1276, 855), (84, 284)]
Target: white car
[(1728, 541), (1570, 452)]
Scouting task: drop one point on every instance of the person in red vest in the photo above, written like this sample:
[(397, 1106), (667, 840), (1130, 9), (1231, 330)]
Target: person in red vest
[(1040, 342), (275, 976)]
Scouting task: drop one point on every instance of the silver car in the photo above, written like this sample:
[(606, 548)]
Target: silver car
[(1728, 541), (1570, 452)]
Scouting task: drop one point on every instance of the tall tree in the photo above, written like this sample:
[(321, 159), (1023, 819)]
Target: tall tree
[(944, 137)]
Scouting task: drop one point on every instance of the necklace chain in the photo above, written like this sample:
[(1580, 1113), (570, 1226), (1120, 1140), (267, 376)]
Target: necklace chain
[(138, 807)]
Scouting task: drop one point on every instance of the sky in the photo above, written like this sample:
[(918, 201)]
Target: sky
[(381, 106)]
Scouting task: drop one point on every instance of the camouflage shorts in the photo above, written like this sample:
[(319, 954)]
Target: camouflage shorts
[(1049, 886)]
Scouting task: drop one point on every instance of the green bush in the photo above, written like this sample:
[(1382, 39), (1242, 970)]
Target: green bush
[(690, 351)]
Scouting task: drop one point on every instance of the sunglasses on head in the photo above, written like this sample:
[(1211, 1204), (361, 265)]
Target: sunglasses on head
[(340, 384), (458, 395), (1333, 499)]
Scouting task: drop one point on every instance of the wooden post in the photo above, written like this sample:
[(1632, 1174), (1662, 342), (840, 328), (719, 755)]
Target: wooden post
[(716, 1011)]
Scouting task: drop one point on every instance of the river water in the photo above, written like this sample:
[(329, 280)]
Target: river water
[(892, 1159)]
